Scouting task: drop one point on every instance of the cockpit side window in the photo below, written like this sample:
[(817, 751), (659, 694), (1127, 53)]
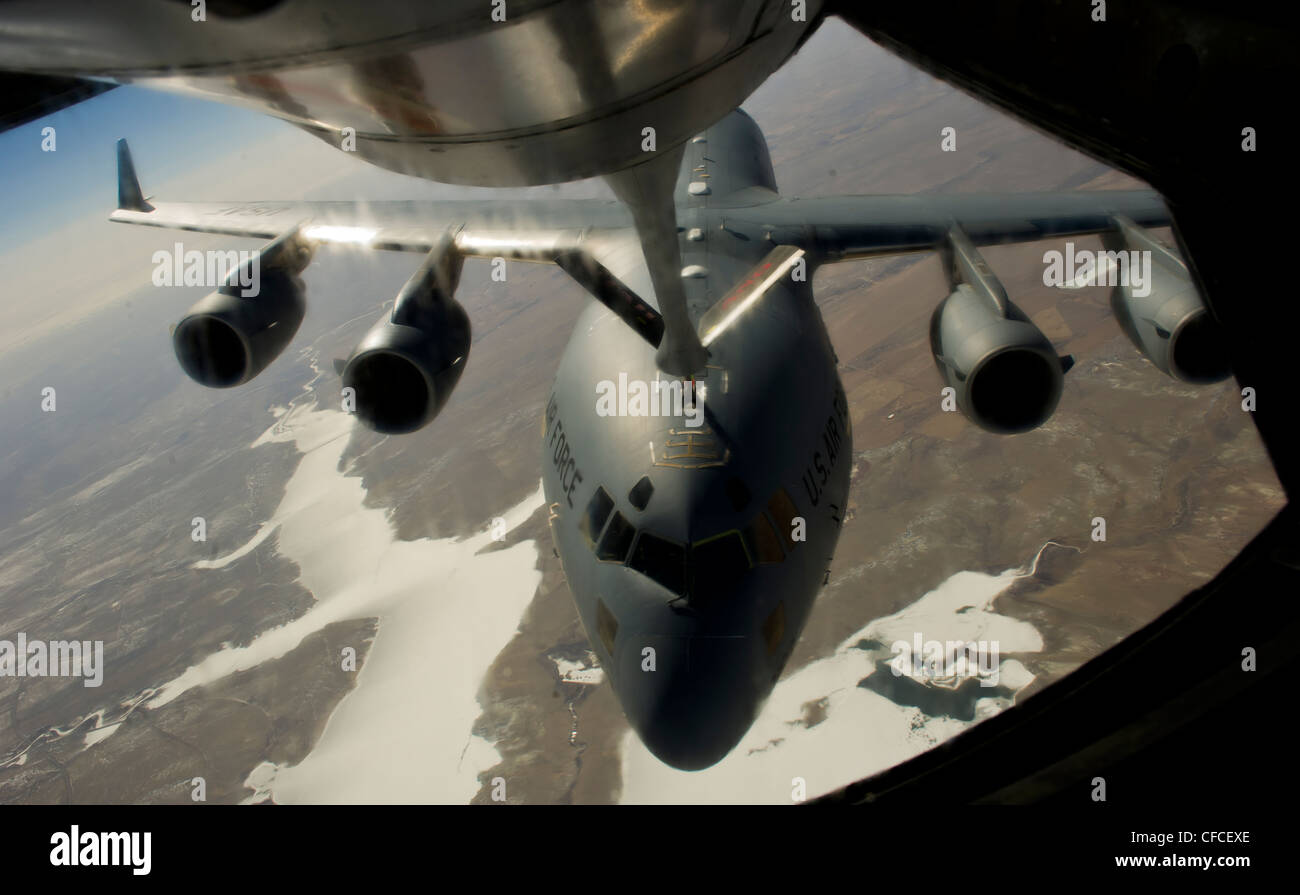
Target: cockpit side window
[(593, 519), (606, 626), (763, 541), (639, 496), (783, 512), (617, 540), (662, 560)]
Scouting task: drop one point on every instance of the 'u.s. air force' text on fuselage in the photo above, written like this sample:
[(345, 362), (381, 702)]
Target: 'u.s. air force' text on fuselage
[(817, 472), (562, 455)]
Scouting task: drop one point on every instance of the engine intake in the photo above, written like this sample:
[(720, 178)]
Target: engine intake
[(1006, 376), (227, 338), (410, 362), (1005, 373), (1169, 323)]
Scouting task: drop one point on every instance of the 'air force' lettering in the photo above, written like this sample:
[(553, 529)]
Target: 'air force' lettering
[(815, 476), (562, 455)]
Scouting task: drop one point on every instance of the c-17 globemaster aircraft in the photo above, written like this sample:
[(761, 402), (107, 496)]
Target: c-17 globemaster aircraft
[(695, 516)]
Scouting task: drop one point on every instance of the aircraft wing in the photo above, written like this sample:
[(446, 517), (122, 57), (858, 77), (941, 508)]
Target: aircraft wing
[(531, 230), (527, 231), (592, 240), (849, 227)]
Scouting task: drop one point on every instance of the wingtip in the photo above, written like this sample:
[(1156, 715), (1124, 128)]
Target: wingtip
[(129, 195)]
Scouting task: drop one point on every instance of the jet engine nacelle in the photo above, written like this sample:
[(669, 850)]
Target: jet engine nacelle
[(1006, 375), (1168, 322), (227, 338), (408, 364)]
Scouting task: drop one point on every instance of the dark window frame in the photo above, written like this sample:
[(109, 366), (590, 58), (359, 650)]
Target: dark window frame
[(650, 492), (751, 540), (609, 532), (685, 549), (593, 538)]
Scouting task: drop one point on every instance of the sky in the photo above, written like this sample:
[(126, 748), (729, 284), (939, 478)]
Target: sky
[(64, 261), (178, 136)]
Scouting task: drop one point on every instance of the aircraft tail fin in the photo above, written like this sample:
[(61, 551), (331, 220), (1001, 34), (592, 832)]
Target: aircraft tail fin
[(129, 195)]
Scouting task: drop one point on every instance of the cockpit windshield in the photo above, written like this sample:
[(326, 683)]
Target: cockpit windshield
[(715, 568), (705, 572), (618, 538), (662, 560), (593, 519)]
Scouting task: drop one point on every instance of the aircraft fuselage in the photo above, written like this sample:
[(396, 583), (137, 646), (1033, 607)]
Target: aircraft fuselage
[(695, 535)]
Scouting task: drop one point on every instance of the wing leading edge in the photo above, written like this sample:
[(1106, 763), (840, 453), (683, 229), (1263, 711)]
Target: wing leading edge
[(590, 239), (522, 230), (595, 242), (851, 227)]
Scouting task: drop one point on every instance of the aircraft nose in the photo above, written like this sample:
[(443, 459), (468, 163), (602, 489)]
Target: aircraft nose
[(699, 699)]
